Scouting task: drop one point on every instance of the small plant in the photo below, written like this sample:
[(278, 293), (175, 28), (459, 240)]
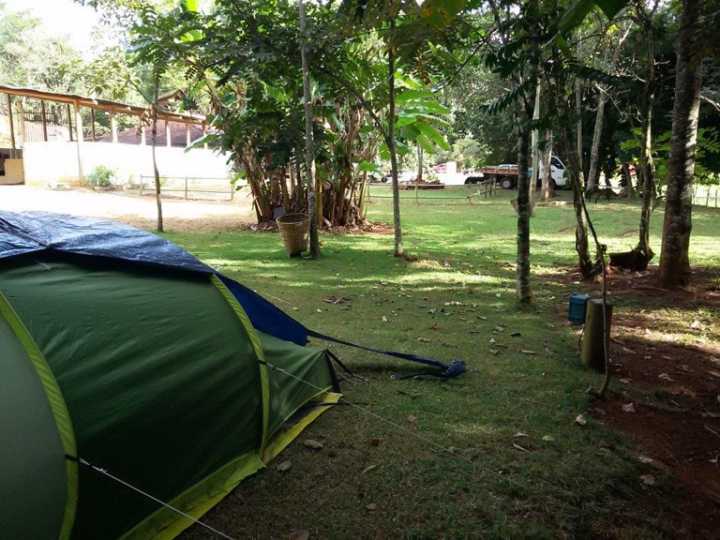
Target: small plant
[(101, 176)]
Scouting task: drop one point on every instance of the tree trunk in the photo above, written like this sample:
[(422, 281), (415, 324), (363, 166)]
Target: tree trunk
[(420, 164), (579, 129), (158, 198), (593, 172), (674, 259), (399, 251), (647, 165), (532, 184), (523, 218), (581, 231), (309, 144), (547, 183)]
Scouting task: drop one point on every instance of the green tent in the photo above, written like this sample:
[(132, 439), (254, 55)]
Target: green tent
[(152, 372)]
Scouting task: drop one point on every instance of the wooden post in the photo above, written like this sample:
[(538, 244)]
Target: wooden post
[(113, 127), (92, 116), (143, 140), (168, 134), (186, 188), (204, 131), (593, 344), (188, 136), (12, 126), (70, 129), (79, 128), (44, 120)]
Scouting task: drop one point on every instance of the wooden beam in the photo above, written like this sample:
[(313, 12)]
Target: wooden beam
[(168, 134), (12, 127), (204, 128), (188, 135), (143, 141), (44, 120)]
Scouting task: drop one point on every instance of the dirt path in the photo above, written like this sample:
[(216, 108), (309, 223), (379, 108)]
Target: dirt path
[(180, 215)]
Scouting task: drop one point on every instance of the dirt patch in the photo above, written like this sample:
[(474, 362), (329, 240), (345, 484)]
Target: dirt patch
[(665, 362), (139, 211)]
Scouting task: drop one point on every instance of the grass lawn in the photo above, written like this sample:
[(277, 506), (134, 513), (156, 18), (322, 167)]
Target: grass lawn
[(522, 466)]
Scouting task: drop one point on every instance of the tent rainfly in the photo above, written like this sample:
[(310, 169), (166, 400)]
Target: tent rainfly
[(120, 349)]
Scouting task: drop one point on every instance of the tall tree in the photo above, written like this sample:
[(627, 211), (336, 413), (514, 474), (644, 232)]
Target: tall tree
[(309, 144), (644, 18), (674, 259), (156, 172)]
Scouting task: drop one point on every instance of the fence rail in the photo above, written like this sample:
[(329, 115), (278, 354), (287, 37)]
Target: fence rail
[(450, 193), (190, 187), (704, 195)]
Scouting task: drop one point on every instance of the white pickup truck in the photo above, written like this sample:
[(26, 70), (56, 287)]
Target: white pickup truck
[(506, 174)]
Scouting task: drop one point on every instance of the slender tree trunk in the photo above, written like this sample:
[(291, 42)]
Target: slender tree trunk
[(399, 251), (532, 187), (420, 164), (581, 230), (593, 172), (674, 259), (647, 165), (523, 219), (158, 197), (547, 184), (309, 143), (579, 130)]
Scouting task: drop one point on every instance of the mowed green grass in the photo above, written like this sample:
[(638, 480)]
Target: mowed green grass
[(520, 465)]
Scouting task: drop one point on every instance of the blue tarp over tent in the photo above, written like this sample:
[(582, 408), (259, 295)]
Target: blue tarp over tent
[(34, 232)]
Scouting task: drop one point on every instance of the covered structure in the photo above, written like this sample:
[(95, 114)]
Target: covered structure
[(42, 128)]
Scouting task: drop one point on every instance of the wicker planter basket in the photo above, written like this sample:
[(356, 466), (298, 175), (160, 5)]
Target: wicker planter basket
[(293, 230)]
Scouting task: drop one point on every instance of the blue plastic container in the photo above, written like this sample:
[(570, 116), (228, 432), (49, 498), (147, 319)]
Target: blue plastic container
[(576, 307)]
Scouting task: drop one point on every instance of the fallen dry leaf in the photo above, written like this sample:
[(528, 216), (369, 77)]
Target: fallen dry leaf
[(520, 434), (648, 479), (666, 377), (527, 351), (580, 420), (521, 448), (629, 408), (284, 466), (369, 468), (548, 438), (372, 507), (313, 444)]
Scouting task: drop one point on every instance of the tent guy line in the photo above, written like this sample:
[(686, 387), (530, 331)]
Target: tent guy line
[(114, 478)]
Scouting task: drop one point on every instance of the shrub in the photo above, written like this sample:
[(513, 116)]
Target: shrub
[(101, 176)]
